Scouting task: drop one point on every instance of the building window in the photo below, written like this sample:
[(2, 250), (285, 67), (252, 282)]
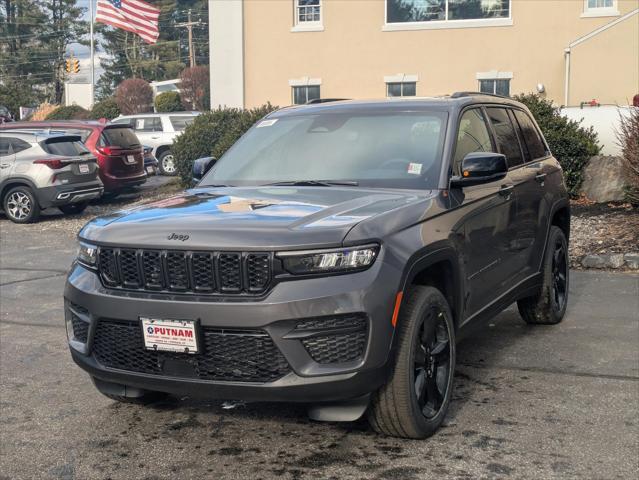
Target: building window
[(496, 86), (416, 14), (401, 89), (306, 93), (600, 8), (308, 16)]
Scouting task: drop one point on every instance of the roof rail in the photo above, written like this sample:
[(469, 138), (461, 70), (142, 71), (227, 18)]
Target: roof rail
[(472, 94), (325, 100)]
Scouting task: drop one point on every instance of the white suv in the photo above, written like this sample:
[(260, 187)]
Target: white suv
[(158, 130)]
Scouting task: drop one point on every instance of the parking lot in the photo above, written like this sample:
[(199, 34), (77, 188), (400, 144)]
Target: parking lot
[(533, 402)]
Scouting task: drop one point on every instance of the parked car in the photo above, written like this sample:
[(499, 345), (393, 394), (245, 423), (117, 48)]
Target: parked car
[(5, 115), (158, 131), (39, 171), (333, 256), (117, 149), (150, 162)]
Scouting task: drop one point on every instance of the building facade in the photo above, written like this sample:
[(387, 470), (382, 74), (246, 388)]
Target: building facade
[(293, 51)]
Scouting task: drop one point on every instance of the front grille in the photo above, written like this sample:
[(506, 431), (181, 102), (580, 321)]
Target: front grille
[(225, 355), (185, 272), (80, 328), (338, 339)]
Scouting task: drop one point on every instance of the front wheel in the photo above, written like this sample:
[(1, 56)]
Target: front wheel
[(414, 402), (549, 305), (167, 165)]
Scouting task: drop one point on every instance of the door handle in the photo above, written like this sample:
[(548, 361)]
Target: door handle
[(506, 190), (540, 177), (5, 165)]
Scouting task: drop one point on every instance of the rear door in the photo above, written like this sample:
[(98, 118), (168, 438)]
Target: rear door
[(7, 157)]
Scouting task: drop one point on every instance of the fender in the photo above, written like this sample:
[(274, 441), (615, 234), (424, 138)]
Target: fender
[(559, 204), (16, 180)]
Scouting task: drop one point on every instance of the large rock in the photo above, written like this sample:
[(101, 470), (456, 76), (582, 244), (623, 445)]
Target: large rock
[(603, 180)]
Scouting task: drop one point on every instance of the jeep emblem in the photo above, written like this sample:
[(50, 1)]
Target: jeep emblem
[(178, 236)]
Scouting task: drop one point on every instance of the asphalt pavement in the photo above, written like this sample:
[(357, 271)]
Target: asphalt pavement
[(530, 402)]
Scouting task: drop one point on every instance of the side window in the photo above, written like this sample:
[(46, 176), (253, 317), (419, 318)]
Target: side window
[(520, 136), (473, 136), (148, 124), (19, 145), (5, 146), (532, 138), (505, 135)]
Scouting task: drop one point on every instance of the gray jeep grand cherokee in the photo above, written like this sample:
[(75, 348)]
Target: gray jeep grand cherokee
[(334, 256)]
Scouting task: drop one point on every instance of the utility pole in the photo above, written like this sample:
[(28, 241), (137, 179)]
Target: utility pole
[(189, 26)]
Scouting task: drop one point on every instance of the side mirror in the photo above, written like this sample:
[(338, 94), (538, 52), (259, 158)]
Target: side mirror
[(480, 167), (201, 166)]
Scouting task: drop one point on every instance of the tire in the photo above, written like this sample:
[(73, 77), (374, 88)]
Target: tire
[(110, 195), (148, 397), (167, 165), (20, 205), (396, 408), (73, 208), (549, 305)]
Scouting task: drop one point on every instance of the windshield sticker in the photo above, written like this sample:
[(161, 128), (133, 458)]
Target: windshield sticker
[(266, 123), (415, 168)]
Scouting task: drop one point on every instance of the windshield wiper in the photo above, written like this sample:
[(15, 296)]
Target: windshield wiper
[(314, 183)]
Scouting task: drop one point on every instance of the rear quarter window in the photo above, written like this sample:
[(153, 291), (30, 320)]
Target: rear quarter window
[(531, 136), (119, 137), (180, 122)]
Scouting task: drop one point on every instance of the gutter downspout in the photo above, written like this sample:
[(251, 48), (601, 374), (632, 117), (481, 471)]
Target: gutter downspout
[(582, 39)]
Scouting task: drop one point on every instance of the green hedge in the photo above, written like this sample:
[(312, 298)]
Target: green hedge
[(72, 112), (212, 134), (107, 108), (570, 143), (168, 102)]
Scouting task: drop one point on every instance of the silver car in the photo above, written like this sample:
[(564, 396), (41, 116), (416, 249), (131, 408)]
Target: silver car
[(39, 171), (158, 130)]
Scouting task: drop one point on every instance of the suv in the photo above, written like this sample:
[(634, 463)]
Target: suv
[(334, 255), (116, 148), (158, 130), (38, 171)]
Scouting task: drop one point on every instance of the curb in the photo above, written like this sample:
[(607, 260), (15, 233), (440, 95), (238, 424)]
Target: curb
[(629, 261)]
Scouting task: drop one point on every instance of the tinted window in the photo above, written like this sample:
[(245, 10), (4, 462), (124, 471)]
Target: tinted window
[(180, 122), (148, 124), (19, 145), (473, 136), (5, 146), (505, 135), (119, 137), (392, 149), (531, 136), (64, 147)]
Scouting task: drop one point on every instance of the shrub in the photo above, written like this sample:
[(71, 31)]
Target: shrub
[(212, 134), (570, 143), (194, 86), (71, 112), (628, 137), (134, 95), (168, 102), (107, 108)]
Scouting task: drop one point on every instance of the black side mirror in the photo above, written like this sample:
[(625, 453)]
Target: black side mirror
[(480, 167), (201, 166)]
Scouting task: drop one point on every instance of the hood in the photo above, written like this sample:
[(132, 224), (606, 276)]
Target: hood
[(248, 218)]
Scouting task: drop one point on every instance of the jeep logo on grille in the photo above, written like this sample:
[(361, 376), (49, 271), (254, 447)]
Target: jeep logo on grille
[(178, 236)]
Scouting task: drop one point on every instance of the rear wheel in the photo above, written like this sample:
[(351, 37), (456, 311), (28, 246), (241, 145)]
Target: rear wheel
[(414, 402), (20, 205), (167, 163), (73, 208), (549, 305)]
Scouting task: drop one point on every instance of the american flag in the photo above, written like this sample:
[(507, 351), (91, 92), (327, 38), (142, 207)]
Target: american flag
[(134, 16)]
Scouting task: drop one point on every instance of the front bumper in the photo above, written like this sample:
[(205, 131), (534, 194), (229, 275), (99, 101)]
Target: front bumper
[(59, 195), (369, 293)]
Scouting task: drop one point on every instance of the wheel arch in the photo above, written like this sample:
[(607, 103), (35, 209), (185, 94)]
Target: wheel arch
[(161, 149), (16, 182)]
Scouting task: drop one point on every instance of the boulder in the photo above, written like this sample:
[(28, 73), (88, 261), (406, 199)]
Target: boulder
[(632, 260), (603, 179)]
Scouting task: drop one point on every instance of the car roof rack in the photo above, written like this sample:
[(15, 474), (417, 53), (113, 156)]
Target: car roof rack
[(472, 94), (325, 100)]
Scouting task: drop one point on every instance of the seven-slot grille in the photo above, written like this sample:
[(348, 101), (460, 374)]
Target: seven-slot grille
[(185, 272)]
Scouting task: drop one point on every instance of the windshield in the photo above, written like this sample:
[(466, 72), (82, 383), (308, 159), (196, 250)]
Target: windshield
[(394, 150)]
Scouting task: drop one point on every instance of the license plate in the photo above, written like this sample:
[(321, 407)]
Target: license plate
[(169, 335), (150, 170), (84, 169), (130, 159)]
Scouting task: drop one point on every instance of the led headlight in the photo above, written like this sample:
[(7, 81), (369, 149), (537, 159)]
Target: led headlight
[(329, 261), (88, 255)]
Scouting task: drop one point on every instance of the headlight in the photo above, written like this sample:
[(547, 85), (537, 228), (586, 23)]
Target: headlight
[(88, 255), (329, 261)]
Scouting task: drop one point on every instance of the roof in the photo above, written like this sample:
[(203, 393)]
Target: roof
[(159, 114), (52, 123)]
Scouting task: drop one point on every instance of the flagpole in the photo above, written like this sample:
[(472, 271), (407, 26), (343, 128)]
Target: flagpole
[(92, 98)]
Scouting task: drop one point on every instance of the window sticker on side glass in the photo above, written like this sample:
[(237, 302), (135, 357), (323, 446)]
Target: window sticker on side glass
[(266, 123), (415, 168)]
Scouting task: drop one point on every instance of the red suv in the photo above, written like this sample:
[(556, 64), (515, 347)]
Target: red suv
[(116, 147)]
